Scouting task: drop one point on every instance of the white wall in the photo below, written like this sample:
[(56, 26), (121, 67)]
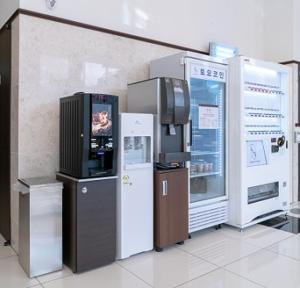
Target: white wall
[(278, 33), (268, 29), (296, 30), (7, 8), (231, 21)]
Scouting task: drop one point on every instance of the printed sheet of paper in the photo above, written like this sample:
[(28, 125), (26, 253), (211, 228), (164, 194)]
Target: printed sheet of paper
[(256, 153), (208, 117)]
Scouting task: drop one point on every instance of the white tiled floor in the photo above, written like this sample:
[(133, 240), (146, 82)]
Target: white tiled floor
[(5, 251), (258, 257), (268, 269)]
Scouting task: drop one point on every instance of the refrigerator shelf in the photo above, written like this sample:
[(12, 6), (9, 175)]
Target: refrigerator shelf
[(197, 128), (263, 91), (264, 115), (200, 153), (204, 174), (262, 85), (262, 109), (279, 132), (209, 105)]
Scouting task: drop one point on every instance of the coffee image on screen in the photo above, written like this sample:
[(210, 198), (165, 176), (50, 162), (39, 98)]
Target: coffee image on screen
[(101, 120)]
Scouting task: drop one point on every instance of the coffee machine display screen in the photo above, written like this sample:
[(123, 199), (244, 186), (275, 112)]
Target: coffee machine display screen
[(101, 120)]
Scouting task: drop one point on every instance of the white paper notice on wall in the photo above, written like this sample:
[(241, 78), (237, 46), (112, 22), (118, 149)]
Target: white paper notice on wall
[(208, 117), (256, 154), (208, 73)]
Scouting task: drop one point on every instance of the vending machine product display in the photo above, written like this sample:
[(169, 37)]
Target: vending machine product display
[(205, 136), (135, 185), (259, 154)]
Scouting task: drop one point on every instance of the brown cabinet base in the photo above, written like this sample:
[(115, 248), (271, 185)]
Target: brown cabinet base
[(89, 222), (171, 207)]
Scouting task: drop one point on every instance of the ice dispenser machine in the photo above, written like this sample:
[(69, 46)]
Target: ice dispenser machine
[(168, 99)]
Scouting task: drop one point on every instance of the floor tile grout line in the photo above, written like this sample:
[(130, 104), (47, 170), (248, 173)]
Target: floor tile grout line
[(257, 251), (215, 268), (280, 254), (59, 278), (136, 276), (293, 236), (196, 278), (264, 249), (242, 276), (38, 280), (268, 245), (260, 250), (199, 257), (235, 239), (221, 266), (245, 239), (242, 258)]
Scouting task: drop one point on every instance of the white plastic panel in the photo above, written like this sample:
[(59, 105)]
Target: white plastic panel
[(137, 150)]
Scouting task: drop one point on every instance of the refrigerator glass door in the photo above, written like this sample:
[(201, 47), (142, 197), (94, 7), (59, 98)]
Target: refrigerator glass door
[(207, 167)]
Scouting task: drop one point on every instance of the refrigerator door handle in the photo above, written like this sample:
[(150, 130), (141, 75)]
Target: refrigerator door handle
[(191, 133), (164, 188)]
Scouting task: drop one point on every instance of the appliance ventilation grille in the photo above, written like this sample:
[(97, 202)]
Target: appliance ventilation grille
[(207, 216)]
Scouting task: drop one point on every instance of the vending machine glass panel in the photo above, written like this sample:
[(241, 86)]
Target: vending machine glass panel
[(264, 101)]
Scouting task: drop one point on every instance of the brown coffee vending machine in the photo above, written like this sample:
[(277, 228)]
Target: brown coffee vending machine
[(171, 207)]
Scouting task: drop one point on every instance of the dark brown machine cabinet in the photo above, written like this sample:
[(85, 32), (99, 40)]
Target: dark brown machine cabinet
[(171, 207), (89, 222)]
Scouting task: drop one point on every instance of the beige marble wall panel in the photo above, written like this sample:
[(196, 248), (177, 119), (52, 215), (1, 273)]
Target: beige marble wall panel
[(57, 60)]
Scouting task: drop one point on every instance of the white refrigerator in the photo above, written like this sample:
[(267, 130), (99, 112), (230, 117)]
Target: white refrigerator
[(205, 136), (135, 185), (259, 141)]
